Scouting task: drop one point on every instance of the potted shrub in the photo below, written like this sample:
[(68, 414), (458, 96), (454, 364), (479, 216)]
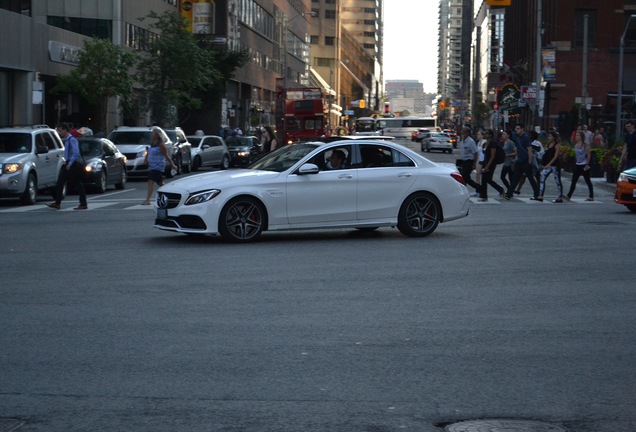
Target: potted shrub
[(609, 163)]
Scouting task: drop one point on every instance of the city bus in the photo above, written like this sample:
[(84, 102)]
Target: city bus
[(403, 127)]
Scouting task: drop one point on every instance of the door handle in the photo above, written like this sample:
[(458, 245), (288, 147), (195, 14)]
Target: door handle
[(345, 176), (406, 174)]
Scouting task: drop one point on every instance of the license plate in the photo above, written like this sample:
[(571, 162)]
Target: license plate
[(162, 214)]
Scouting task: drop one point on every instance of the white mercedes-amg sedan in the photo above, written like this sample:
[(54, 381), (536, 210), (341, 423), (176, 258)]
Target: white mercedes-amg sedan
[(360, 184)]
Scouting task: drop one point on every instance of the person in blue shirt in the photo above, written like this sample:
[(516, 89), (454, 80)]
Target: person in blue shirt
[(73, 172)]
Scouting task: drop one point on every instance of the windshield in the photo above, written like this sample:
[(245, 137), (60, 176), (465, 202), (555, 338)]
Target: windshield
[(238, 142), (283, 158), (15, 143), (195, 140), (90, 149)]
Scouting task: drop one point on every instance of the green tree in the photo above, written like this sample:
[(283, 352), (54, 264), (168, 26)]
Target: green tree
[(103, 71), (175, 70)]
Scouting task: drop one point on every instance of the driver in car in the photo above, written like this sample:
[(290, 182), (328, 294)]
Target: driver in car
[(336, 160)]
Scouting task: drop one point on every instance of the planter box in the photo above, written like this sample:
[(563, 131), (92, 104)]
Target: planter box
[(611, 177)]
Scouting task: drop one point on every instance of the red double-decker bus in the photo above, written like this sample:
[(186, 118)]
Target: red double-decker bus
[(303, 114)]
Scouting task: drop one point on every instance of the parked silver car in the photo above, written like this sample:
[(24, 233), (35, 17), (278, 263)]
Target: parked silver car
[(209, 150), (31, 159)]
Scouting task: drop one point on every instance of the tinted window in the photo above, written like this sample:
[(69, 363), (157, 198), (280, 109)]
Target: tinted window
[(15, 143), (374, 156)]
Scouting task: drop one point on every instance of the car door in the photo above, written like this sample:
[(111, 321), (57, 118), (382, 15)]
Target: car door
[(211, 154), (384, 179), (48, 162), (112, 167), (326, 197)]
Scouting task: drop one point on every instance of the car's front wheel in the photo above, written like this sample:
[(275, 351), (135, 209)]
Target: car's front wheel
[(419, 215), (225, 163), (196, 163), (188, 166), (123, 180), (631, 207), (30, 194), (242, 220), (101, 182)]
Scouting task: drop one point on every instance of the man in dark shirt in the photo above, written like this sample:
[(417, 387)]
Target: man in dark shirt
[(523, 164)]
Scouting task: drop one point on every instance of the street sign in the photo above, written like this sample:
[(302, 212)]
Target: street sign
[(528, 94), (348, 112)]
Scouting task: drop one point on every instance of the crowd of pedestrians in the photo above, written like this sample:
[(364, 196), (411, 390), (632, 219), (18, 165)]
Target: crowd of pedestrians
[(524, 158)]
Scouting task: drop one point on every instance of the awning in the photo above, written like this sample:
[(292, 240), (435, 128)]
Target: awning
[(318, 81)]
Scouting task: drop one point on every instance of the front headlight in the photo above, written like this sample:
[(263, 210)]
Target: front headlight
[(11, 168), (622, 177), (243, 153), (93, 167), (201, 197)]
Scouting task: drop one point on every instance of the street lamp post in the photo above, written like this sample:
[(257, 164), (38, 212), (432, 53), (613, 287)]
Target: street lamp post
[(619, 96)]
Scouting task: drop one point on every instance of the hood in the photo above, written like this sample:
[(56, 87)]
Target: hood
[(630, 172), (218, 179), (239, 147), (131, 148), (12, 157)]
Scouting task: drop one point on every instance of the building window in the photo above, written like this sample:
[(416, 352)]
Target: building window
[(330, 1), (591, 28), (330, 14), (314, 39), (85, 26), (18, 6), (330, 40), (324, 61)]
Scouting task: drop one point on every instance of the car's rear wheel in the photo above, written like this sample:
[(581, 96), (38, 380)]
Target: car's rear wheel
[(419, 215), (631, 207), (101, 182), (242, 220), (123, 180), (30, 194)]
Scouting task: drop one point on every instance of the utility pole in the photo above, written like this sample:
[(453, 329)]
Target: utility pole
[(538, 76)]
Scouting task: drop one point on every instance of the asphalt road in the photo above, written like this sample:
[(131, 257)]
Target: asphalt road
[(520, 311)]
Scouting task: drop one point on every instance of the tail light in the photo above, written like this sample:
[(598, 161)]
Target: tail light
[(457, 176)]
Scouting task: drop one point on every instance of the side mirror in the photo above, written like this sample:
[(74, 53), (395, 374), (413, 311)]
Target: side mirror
[(308, 168), (183, 140), (42, 149)]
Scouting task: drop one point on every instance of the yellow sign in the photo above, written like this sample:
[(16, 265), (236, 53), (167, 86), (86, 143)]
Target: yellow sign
[(498, 2), (362, 103), (199, 15)]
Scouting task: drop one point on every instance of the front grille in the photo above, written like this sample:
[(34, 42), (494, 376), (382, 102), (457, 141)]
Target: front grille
[(628, 197), (167, 200), (131, 156), (186, 221)]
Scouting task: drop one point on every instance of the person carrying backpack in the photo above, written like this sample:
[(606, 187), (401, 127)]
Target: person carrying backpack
[(491, 158)]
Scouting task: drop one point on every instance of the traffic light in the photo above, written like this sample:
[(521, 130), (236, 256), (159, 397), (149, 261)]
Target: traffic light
[(386, 107), (362, 103), (442, 105)]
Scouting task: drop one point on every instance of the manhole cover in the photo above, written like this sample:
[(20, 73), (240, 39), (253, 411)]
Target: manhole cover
[(9, 425), (495, 425)]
